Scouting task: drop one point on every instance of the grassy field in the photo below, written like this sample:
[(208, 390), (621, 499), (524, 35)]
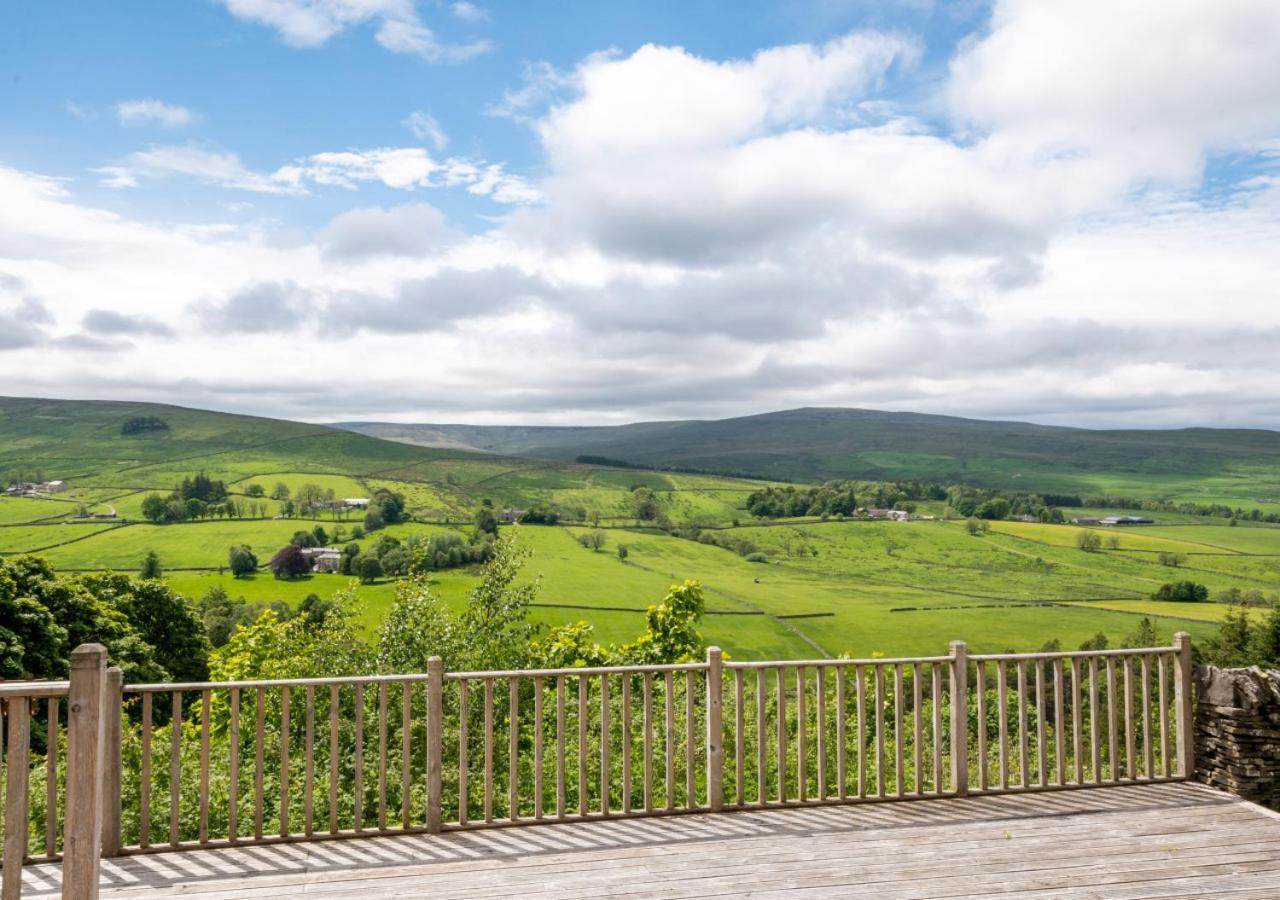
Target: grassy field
[(827, 588)]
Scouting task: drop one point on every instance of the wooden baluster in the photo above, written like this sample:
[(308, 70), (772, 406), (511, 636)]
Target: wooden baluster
[(1059, 720), (1077, 746), (1164, 715), (233, 765), (1112, 737), (204, 766), (879, 730), (537, 747), (937, 727), (899, 762), (1042, 764), (309, 763), (739, 738), (1147, 750), (762, 793), (359, 787), (1024, 767), (820, 701), (488, 749), (51, 779), (259, 759), (16, 803), (583, 787), (464, 765), (382, 755), (802, 729), (175, 765), (144, 779), (435, 744), (861, 702), (1002, 697), (1130, 754), (917, 724), (406, 749), (782, 733), (560, 747), (513, 749), (333, 758), (690, 744), (647, 743), (669, 701), (626, 742), (112, 762), (1095, 724), (982, 724), (1024, 775), (842, 759), (959, 695), (284, 761), (606, 774)]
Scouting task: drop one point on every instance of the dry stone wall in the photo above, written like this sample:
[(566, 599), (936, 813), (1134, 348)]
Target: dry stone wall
[(1238, 732)]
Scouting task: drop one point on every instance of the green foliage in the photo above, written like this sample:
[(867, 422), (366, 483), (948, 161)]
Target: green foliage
[(163, 619), (672, 634), (1182, 592), (367, 567), (242, 561), (151, 568), (1089, 541), (486, 521), (143, 425), (1243, 641), (832, 498)]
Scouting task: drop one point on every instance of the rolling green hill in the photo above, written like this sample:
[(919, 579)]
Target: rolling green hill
[(1234, 466)]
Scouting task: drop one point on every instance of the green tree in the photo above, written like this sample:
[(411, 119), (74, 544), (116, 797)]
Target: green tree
[(368, 568), (485, 521), (1089, 541), (280, 491), (242, 561), (255, 490), (151, 568), (1145, 636), (155, 508), (163, 619), (1182, 592), (622, 551)]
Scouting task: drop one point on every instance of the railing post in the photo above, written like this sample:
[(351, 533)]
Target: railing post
[(435, 739), (16, 805), (959, 718), (113, 701), (83, 841), (1184, 704), (715, 730)]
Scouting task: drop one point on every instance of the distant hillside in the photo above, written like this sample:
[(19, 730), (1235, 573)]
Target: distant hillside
[(818, 444)]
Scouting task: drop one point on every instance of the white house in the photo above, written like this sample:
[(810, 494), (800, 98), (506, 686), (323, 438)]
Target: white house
[(356, 502), (323, 559)]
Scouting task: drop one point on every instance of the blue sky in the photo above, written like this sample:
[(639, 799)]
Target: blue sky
[(645, 210)]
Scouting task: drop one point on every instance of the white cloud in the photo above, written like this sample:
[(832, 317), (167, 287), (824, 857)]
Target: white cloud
[(311, 23), (469, 12), (153, 112), (410, 230), (424, 127), (79, 112), (400, 168)]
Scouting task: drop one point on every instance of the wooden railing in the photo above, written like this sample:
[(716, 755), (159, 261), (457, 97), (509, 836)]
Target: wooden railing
[(216, 764)]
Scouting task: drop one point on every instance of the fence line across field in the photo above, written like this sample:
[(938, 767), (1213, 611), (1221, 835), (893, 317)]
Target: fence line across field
[(169, 767)]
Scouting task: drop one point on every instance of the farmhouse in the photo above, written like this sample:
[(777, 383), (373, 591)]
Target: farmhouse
[(356, 502), (511, 516), (32, 488), (1126, 520), (1085, 520), (323, 559)]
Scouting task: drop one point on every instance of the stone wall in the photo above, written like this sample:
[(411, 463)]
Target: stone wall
[(1238, 732)]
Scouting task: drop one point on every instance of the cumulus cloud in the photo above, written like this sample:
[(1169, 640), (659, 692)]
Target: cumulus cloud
[(153, 112), (468, 12), (311, 23), (22, 324), (262, 307), (411, 230), (110, 322)]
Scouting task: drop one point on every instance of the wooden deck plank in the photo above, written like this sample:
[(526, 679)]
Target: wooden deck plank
[(1128, 841)]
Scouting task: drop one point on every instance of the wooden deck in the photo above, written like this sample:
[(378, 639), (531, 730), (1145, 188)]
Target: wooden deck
[(1159, 840)]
